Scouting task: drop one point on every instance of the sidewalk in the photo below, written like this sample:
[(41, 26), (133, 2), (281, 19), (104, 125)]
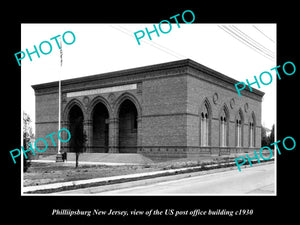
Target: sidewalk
[(95, 158), (85, 163)]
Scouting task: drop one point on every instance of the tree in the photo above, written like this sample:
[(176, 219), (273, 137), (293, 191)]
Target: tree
[(264, 137), (28, 136), (271, 137), (78, 138), (81, 147)]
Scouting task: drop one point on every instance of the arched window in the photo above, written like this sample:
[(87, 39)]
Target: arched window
[(239, 122), (205, 124), (223, 127), (204, 127), (252, 128)]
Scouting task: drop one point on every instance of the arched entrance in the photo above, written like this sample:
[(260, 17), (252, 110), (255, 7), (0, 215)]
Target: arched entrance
[(75, 118), (100, 121), (128, 129)]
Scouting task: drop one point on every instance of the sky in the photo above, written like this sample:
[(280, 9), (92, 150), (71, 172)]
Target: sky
[(101, 48)]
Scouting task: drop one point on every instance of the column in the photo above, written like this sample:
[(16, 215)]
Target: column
[(139, 133), (202, 131), (225, 133), (251, 134), (87, 130), (113, 133), (222, 133), (206, 131), (238, 135)]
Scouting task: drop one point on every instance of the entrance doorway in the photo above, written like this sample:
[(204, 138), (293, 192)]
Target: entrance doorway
[(76, 143), (128, 127), (100, 118)]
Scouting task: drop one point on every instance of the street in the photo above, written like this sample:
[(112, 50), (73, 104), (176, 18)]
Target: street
[(252, 180), (230, 182)]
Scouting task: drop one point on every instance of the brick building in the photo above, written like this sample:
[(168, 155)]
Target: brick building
[(174, 109)]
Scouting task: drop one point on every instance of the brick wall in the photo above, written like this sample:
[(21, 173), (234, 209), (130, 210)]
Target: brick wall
[(168, 100), (47, 121), (199, 90), (164, 112)]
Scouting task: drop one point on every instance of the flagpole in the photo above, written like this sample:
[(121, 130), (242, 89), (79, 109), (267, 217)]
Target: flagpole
[(59, 155), (59, 116)]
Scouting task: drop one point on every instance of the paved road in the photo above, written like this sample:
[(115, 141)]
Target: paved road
[(252, 180)]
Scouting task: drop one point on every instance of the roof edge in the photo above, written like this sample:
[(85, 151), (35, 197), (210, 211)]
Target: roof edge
[(149, 68)]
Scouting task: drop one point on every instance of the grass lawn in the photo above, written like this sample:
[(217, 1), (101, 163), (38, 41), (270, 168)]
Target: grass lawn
[(45, 173)]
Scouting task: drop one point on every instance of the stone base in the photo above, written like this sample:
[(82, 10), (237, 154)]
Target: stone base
[(168, 153), (59, 157)]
